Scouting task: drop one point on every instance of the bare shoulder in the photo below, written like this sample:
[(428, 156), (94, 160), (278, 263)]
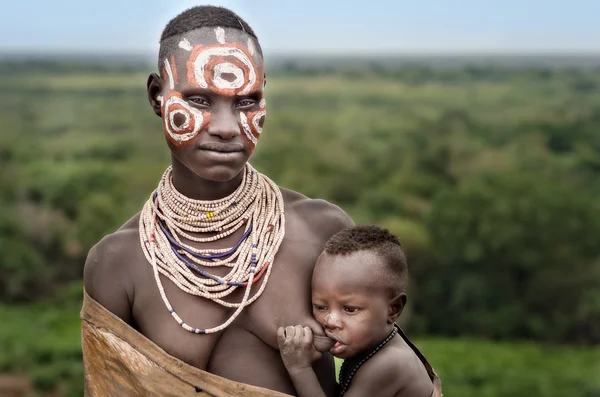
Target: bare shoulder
[(107, 274), (413, 379), (395, 372), (323, 217)]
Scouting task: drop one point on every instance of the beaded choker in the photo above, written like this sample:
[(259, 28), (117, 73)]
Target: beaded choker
[(345, 385), (256, 205)]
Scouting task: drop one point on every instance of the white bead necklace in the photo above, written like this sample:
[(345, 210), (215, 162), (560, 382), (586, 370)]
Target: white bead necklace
[(256, 205)]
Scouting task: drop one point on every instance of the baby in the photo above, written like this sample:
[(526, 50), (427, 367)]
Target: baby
[(358, 292)]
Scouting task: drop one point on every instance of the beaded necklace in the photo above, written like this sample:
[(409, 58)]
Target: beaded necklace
[(256, 205), (345, 385)]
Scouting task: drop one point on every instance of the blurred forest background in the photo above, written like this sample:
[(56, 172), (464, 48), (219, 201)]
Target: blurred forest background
[(488, 171)]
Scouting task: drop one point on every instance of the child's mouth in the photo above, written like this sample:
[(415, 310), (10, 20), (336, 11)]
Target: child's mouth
[(337, 348)]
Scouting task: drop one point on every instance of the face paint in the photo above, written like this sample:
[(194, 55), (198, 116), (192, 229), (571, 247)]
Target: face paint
[(185, 45), (229, 69), (225, 68), (174, 70), (220, 33), (168, 71), (181, 121), (251, 47), (252, 123)]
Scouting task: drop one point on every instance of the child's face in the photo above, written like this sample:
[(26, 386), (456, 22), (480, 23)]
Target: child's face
[(350, 300)]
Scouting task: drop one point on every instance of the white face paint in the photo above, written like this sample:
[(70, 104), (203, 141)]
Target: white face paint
[(217, 60), (220, 33), (246, 128), (185, 45), (251, 46), (201, 61), (187, 112), (256, 121), (228, 68), (183, 126), (169, 74), (259, 115)]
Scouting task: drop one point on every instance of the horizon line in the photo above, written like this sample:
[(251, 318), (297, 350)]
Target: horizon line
[(49, 53)]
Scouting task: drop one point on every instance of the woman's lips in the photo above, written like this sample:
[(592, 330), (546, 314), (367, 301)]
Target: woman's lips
[(221, 147)]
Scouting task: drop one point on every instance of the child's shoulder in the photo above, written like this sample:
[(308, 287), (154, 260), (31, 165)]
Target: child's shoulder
[(394, 371)]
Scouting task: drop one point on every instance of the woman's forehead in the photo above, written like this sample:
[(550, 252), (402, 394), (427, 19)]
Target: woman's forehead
[(222, 59), (183, 44)]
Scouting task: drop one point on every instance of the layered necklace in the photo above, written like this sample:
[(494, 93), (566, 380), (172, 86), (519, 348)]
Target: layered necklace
[(256, 206), (347, 373)]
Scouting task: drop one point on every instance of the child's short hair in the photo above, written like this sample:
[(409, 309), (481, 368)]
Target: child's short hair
[(378, 240)]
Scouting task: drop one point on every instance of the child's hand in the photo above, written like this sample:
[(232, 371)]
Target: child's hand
[(296, 347)]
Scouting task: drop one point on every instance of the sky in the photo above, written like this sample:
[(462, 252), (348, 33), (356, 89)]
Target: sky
[(311, 26)]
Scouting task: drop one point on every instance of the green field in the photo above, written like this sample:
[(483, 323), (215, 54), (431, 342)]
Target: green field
[(489, 175), (43, 341)]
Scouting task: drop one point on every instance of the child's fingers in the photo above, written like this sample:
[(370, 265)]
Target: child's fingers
[(280, 336), (298, 334), (308, 336), (290, 331)]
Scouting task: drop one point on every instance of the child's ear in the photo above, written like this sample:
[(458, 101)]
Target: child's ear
[(395, 307)]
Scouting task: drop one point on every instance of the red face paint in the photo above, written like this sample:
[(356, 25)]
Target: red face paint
[(226, 69), (181, 122), (252, 122)]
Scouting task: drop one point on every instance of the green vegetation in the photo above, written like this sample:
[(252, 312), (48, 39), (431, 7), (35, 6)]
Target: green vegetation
[(43, 341), (478, 368), (489, 175)]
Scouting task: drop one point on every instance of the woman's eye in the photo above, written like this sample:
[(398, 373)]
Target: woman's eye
[(199, 101), (245, 103)]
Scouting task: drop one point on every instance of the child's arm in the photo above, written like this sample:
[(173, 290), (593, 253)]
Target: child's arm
[(298, 353)]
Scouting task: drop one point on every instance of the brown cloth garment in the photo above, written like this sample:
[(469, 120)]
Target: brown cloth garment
[(119, 361)]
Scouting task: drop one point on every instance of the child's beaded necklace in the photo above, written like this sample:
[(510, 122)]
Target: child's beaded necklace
[(168, 215), (347, 374)]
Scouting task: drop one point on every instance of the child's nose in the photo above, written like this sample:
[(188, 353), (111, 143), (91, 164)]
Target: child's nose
[(332, 320)]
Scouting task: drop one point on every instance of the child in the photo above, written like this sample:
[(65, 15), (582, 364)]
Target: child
[(358, 292)]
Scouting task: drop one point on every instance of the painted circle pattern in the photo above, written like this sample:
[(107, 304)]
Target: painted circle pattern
[(208, 65), (252, 123), (193, 119)]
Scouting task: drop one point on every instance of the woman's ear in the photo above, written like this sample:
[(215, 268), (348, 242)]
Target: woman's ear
[(154, 87)]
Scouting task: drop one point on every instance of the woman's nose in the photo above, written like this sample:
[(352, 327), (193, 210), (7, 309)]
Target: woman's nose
[(224, 124)]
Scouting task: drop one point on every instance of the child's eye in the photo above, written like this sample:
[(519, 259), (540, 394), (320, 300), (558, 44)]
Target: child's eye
[(319, 307), (351, 310)]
